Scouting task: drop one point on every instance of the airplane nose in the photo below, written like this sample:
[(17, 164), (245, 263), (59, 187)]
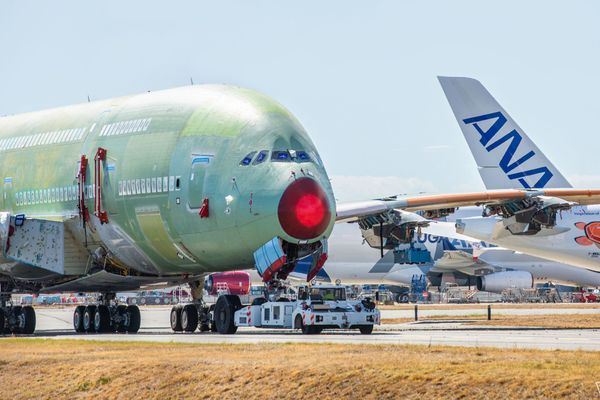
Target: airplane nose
[(304, 211)]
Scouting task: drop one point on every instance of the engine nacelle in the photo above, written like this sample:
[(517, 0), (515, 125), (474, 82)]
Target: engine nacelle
[(499, 281), (230, 282), (529, 216), (388, 230)]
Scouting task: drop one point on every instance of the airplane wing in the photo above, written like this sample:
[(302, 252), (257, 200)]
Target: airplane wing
[(353, 211)]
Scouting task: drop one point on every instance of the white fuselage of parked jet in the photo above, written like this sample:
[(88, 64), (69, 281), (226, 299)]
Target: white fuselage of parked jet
[(575, 239)]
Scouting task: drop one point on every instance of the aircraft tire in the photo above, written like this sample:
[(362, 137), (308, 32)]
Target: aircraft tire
[(121, 311), (402, 298), (211, 313), (176, 319), (78, 319), (88, 318), (102, 319), (2, 321), (189, 318), (135, 319), (16, 311), (225, 310), (29, 316)]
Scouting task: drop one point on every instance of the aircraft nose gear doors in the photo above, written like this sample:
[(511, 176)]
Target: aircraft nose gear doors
[(276, 259)]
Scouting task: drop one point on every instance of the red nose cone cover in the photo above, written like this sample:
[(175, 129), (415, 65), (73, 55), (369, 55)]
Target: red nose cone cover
[(304, 209)]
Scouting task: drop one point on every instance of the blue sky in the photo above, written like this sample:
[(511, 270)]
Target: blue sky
[(360, 76)]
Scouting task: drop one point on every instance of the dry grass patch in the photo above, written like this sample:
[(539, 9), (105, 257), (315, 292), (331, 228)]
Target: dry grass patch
[(483, 306), (80, 369), (556, 321)]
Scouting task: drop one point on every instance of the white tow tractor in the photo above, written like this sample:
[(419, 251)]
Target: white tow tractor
[(316, 308)]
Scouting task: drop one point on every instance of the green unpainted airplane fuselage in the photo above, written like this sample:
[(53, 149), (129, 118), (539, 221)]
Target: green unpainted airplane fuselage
[(168, 154)]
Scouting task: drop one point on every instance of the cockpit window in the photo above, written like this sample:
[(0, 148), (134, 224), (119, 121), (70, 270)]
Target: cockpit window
[(281, 156), (299, 156), (302, 156), (261, 157), (248, 159)]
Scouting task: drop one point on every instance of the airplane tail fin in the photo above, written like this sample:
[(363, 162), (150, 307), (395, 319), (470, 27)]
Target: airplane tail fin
[(506, 157)]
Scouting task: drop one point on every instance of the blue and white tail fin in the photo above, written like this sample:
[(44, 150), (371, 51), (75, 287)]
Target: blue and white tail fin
[(506, 157)]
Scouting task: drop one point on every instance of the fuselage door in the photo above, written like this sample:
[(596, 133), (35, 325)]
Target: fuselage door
[(200, 163)]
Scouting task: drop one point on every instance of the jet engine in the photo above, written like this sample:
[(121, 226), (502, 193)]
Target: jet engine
[(499, 281), (396, 230), (390, 229), (530, 215), (230, 282)]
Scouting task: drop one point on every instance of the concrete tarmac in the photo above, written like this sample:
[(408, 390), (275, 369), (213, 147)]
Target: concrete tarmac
[(56, 323)]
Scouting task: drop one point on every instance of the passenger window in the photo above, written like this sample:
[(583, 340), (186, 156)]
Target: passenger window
[(248, 159), (281, 156), (261, 157)]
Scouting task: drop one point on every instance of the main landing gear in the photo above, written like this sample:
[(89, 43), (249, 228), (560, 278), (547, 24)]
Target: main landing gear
[(195, 315), (106, 317), (15, 319)]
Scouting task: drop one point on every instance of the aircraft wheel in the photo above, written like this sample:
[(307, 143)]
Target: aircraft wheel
[(366, 329), (102, 319), (135, 319), (402, 298), (176, 319), (78, 319), (2, 321), (121, 312), (88, 318), (16, 313), (189, 318), (29, 320), (211, 313), (225, 309)]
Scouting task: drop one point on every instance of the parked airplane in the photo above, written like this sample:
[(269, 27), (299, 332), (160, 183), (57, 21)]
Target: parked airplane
[(452, 260), (165, 187), (545, 224)]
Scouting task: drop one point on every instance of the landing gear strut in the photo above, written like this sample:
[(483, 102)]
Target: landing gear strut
[(15, 319), (106, 316)]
